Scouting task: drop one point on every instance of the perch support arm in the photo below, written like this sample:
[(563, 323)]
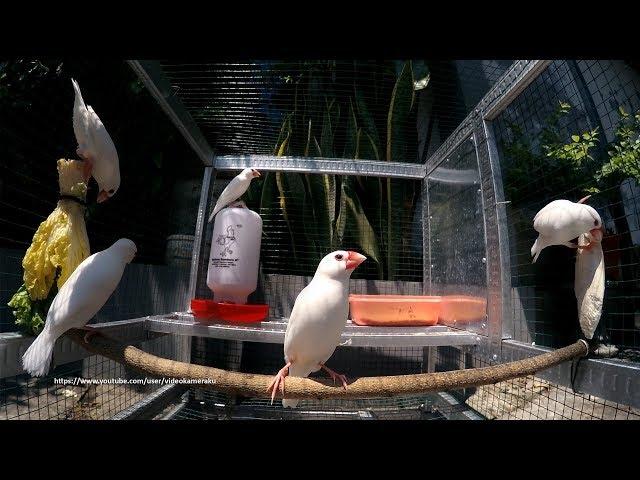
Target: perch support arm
[(254, 385)]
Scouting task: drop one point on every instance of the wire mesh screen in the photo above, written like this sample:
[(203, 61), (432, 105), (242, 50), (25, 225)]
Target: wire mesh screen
[(244, 107), (95, 388), (155, 206), (454, 88), (574, 131), (206, 405), (527, 398), (295, 238), (267, 359)]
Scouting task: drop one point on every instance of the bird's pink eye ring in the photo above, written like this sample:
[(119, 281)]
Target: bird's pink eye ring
[(338, 257)]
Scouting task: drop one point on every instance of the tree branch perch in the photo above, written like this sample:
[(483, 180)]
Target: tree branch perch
[(254, 385)]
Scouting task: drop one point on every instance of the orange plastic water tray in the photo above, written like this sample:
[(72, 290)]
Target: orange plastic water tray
[(457, 309), (394, 310), (205, 310)]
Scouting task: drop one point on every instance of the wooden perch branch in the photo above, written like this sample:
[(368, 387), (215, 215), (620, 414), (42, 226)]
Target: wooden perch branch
[(253, 385)]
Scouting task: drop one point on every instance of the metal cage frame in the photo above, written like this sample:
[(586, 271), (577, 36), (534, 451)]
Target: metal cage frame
[(609, 379)]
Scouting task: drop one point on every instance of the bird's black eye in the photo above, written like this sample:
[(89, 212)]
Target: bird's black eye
[(338, 256), (112, 191), (595, 222)]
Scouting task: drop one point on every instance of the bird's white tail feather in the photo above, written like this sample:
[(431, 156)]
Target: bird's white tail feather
[(295, 371), (538, 245), (216, 209), (37, 359), (76, 88)]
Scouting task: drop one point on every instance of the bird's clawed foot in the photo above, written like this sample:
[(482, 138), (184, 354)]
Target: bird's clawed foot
[(278, 382), (91, 331), (335, 375)]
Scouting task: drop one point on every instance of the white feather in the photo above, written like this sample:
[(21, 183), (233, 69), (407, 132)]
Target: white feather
[(318, 318), (589, 285), (80, 121), (233, 191), (80, 298), (94, 142), (561, 221)]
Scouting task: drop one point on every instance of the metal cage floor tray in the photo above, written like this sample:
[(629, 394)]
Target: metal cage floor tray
[(273, 330)]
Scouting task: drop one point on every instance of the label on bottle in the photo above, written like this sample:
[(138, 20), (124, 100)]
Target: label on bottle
[(224, 262), (226, 245)]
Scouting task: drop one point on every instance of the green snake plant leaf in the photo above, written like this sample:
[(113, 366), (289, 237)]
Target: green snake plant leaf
[(308, 144), (322, 190), (329, 124), (350, 151), (352, 220), (351, 141), (290, 195), (400, 194), (375, 189), (366, 118)]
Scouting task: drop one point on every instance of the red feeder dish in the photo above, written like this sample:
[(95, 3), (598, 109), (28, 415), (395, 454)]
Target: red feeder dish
[(229, 312)]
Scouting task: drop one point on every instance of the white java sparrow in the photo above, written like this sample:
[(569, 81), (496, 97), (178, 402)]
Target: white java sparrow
[(317, 320), (80, 298), (561, 221), (234, 190), (95, 147), (589, 282)]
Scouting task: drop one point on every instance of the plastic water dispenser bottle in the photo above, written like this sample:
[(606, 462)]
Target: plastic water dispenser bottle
[(235, 254)]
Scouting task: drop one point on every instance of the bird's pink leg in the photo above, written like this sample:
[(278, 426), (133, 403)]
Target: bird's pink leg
[(582, 200), (334, 375), (278, 381)]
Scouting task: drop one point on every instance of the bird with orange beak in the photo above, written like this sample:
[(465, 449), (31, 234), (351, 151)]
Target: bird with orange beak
[(317, 321), (95, 147), (236, 188)]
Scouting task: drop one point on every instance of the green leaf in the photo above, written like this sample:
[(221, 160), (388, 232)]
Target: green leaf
[(355, 222), (291, 195), (306, 148), (399, 192), (374, 188), (575, 138), (283, 147), (351, 143), (329, 124), (366, 118), (399, 109), (322, 204)]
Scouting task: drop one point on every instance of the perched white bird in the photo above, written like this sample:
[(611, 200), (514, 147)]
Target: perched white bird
[(95, 147), (561, 221), (317, 320), (80, 298), (589, 282), (234, 190)]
